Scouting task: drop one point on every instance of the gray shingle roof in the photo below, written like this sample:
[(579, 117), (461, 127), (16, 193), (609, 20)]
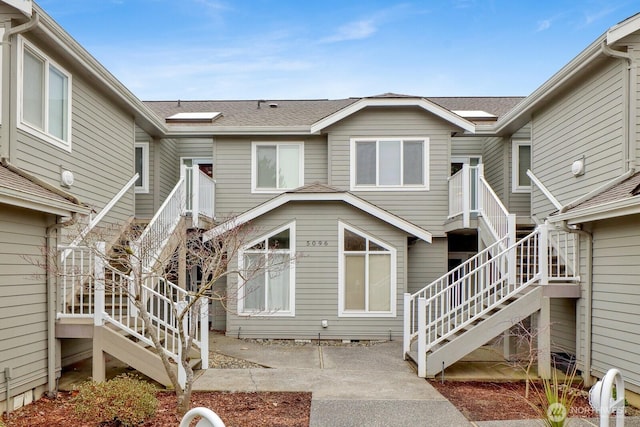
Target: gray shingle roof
[(307, 112), (20, 183), (626, 189)]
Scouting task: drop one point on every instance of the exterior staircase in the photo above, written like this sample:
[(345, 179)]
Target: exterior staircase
[(490, 292), (96, 293)]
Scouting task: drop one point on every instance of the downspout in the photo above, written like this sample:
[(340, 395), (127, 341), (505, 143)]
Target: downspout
[(6, 80), (52, 381), (630, 145)]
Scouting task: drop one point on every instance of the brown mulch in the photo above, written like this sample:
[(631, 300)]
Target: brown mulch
[(486, 401), (273, 409)]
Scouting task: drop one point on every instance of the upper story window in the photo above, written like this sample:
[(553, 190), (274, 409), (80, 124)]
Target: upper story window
[(276, 166), (269, 288), (367, 275), (44, 96), (521, 162), (390, 164), (142, 167)]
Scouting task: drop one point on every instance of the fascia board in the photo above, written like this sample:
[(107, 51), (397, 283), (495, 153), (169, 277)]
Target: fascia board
[(337, 197), (181, 131), (623, 29), (393, 102), (89, 63), (29, 201), (613, 209)]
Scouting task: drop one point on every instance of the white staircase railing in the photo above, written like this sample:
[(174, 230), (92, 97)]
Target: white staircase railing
[(156, 234), (91, 288), (501, 222), (467, 293), (200, 197)]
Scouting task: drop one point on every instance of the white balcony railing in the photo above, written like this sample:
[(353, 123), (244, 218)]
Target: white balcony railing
[(200, 196)]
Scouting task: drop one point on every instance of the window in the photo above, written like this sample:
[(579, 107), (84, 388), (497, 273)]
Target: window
[(521, 159), (367, 276), (277, 166), (396, 163), (142, 166), (44, 97), (269, 288)]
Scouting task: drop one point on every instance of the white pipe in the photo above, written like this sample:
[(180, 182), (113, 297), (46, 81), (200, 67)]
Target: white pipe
[(6, 81)]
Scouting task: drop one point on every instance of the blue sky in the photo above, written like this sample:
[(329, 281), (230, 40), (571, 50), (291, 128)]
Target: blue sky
[(286, 49)]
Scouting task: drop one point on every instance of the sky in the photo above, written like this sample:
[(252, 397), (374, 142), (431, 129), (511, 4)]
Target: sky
[(310, 49)]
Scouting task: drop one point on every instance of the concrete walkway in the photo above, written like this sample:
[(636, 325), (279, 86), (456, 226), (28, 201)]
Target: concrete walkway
[(351, 385)]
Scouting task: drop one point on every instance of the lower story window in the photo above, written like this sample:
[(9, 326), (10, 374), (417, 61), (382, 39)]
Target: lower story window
[(367, 275), (268, 288)]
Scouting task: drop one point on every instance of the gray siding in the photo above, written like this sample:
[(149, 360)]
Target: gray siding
[(426, 263), (316, 295), (169, 169), (517, 203), (232, 159), (616, 298), (23, 299), (145, 201), (428, 209), (563, 325), (195, 147), (102, 150), (494, 157), (588, 120), (467, 145)]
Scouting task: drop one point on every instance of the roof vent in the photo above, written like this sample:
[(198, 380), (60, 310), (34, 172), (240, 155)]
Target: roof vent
[(194, 117), (273, 105)]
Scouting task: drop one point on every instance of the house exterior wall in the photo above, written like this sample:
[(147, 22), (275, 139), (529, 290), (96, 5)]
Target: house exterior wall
[(616, 298), (467, 145), (102, 153), (586, 120), (494, 157), (169, 166), (425, 263), (427, 209), (316, 292), (145, 202), (23, 299), (232, 170), (517, 203)]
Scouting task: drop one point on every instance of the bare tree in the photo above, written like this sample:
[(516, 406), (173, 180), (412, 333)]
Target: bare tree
[(129, 273)]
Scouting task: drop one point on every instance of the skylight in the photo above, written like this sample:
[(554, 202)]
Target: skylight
[(476, 114), (201, 117)]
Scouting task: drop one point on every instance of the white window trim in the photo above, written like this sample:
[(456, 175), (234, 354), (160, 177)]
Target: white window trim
[(292, 274), (42, 134), (144, 188), (515, 166), (341, 285), (254, 177), (378, 187)]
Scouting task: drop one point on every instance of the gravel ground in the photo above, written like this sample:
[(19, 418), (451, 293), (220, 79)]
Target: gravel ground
[(222, 361)]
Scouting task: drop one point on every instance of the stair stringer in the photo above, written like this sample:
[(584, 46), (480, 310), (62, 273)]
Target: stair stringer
[(478, 335), (133, 354)]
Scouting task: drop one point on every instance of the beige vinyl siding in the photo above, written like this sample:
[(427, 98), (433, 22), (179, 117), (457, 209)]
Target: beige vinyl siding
[(102, 153), (23, 299), (563, 325), (316, 295), (496, 167), (517, 203), (616, 298), (427, 209), (145, 201), (232, 170), (169, 168), (466, 146), (426, 263), (588, 120)]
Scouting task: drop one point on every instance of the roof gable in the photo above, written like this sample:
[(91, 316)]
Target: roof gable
[(319, 192), (388, 101)]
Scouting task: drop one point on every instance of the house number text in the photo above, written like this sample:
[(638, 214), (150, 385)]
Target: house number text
[(317, 243)]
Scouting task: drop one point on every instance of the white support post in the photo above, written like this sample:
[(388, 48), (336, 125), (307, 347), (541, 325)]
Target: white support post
[(195, 195), (544, 338), (98, 272), (422, 337), (406, 337), (512, 261), (204, 332), (466, 196), (543, 254)]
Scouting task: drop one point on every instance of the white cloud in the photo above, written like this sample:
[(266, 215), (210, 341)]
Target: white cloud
[(356, 30), (545, 24)]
